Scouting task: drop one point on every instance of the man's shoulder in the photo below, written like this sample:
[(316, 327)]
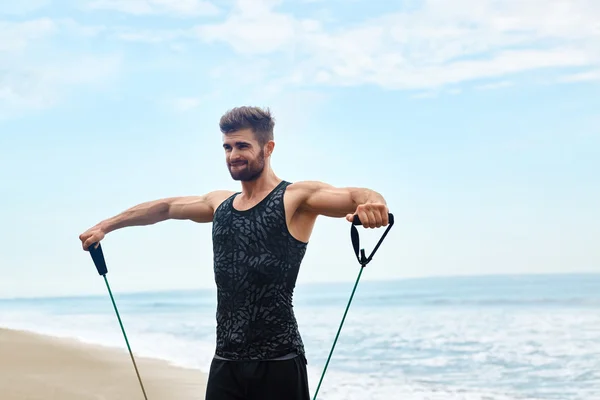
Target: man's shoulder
[(216, 197), (308, 186), (301, 192), (220, 193)]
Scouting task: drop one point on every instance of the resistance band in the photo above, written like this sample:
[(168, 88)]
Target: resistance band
[(363, 260), (98, 257)]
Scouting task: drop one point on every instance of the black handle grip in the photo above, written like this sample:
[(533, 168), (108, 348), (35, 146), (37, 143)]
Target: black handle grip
[(357, 221), (98, 257)]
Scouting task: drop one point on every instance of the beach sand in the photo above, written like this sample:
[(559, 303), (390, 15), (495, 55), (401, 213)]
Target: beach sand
[(36, 367)]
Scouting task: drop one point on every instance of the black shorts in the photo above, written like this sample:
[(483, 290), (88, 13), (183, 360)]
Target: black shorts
[(258, 380)]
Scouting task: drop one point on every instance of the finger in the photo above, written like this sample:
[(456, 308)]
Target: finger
[(364, 218), (378, 218), (385, 218), (350, 217), (89, 242), (372, 219)]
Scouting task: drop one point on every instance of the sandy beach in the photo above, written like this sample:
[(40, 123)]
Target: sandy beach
[(41, 367)]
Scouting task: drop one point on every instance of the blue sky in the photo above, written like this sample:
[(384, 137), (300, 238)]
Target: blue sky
[(478, 121)]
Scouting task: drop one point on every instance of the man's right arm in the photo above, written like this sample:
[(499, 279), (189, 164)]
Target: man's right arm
[(193, 208)]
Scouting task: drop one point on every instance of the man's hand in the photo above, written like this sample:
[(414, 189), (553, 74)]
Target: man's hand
[(371, 215), (93, 235)]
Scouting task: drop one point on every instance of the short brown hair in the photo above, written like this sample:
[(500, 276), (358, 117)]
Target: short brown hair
[(259, 120)]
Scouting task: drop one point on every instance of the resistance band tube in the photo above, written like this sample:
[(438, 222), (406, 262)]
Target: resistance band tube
[(98, 257), (363, 260)]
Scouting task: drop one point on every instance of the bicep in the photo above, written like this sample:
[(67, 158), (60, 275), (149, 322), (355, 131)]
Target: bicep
[(196, 208), (325, 199)]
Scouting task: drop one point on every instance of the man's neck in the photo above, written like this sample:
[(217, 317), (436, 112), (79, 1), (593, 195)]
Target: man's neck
[(264, 183)]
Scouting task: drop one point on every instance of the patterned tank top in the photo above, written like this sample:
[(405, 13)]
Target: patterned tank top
[(256, 263)]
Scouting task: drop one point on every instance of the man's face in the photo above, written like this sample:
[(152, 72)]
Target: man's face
[(244, 156)]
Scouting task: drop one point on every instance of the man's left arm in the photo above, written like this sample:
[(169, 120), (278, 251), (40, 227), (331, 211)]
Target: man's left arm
[(324, 199)]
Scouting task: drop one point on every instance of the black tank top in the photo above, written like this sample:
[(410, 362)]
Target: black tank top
[(256, 263)]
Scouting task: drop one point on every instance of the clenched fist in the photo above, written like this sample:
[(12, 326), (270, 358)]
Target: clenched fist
[(93, 235), (371, 215)]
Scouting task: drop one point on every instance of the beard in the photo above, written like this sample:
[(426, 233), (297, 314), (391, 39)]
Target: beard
[(250, 171)]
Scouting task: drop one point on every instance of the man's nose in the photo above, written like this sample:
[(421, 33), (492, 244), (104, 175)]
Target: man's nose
[(234, 155)]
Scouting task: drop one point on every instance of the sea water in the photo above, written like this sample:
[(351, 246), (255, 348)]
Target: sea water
[(462, 338)]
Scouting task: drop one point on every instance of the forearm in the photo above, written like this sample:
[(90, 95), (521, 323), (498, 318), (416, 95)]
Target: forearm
[(147, 213)]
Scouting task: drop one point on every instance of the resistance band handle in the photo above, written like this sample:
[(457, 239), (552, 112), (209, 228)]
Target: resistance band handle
[(363, 259), (98, 257), (357, 220)]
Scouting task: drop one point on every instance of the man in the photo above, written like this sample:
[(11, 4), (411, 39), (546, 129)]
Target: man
[(260, 236)]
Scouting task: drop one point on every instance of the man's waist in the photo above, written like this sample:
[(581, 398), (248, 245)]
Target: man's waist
[(287, 356), (258, 345)]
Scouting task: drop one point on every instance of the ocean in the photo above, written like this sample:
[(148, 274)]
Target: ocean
[(459, 338)]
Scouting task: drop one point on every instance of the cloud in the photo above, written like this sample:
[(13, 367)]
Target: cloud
[(36, 74), (22, 7), (149, 36), (184, 104), (495, 85), (434, 46), (16, 36), (75, 29), (38, 87), (587, 76), (253, 28), (438, 44), (183, 8)]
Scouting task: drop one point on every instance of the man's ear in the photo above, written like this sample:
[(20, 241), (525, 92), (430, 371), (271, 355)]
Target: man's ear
[(269, 147)]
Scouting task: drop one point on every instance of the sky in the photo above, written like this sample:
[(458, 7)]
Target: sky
[(479, 122)]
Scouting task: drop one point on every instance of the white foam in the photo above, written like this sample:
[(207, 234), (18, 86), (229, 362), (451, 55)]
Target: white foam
[(345, 386)]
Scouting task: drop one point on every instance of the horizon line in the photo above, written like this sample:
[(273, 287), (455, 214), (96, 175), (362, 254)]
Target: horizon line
[(312, 283)]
